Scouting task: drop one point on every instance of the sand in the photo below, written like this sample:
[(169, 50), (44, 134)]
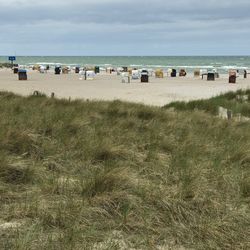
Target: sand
[(157, 92)]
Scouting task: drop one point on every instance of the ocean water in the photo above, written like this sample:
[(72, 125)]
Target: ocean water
[(221, 63)]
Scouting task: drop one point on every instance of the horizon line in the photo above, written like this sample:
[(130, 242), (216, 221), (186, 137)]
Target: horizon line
[(125, 55)]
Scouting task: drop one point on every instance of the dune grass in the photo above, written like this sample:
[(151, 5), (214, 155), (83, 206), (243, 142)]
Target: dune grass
[(238, 102), (114, 175), (5, 65)]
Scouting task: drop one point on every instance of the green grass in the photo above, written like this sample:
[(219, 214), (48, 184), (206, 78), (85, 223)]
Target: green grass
[(228, 100), (5, 65), (114, 175)]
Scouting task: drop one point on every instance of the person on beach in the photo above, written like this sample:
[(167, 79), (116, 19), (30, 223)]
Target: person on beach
[(245, 74)]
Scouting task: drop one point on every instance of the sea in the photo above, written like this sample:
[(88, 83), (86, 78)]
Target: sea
[(220, 63)]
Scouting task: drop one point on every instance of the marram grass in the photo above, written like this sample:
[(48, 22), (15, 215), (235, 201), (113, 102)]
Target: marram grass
[(114, 175), (238, 102)]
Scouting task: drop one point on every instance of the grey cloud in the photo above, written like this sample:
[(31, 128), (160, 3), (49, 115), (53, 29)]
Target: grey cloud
[(139, 12), (125, 25)]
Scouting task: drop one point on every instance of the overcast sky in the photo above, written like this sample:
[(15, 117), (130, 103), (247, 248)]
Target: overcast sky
[(125, 27)]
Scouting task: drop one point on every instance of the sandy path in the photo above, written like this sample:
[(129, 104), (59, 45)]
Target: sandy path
[(109, 87)]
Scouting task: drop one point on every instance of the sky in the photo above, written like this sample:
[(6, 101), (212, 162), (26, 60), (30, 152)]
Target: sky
[(124, 27)]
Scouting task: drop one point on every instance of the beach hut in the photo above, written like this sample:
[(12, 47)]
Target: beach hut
[(90, 75), (22, 75), (15, 70), (109, 70), (77, 69), (65, 70), (151, 72), (182, 72), (36, 67), (57, 70), (125, 77), (144, 76), (130, 71), (197, 73), (173, 73), (97, 70), (135, 74), (125, 69), (211, 76), (119, 70), (216, 73), (81, 74), (42, 69), (169, 71), (203, 72), (159, 73), (232, 76)]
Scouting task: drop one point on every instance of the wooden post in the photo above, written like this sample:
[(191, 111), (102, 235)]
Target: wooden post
[(229, 114), (85, 75)]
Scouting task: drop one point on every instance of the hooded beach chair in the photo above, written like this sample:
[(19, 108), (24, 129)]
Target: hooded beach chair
[(159, 73)]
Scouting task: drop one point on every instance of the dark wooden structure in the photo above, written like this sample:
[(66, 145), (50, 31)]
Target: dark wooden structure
[(22, 75), (57, 70), (173, 73), (211, 76)]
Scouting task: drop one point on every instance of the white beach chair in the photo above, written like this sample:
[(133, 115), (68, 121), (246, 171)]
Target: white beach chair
[(90, 75), (42, 69), (135, 74), (125, 77), (169, 72), (81, 75)]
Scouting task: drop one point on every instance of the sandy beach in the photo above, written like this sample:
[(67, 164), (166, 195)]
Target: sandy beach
[(157, 92)]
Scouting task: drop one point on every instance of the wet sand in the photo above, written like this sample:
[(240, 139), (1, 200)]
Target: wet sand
[(157, 92)]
